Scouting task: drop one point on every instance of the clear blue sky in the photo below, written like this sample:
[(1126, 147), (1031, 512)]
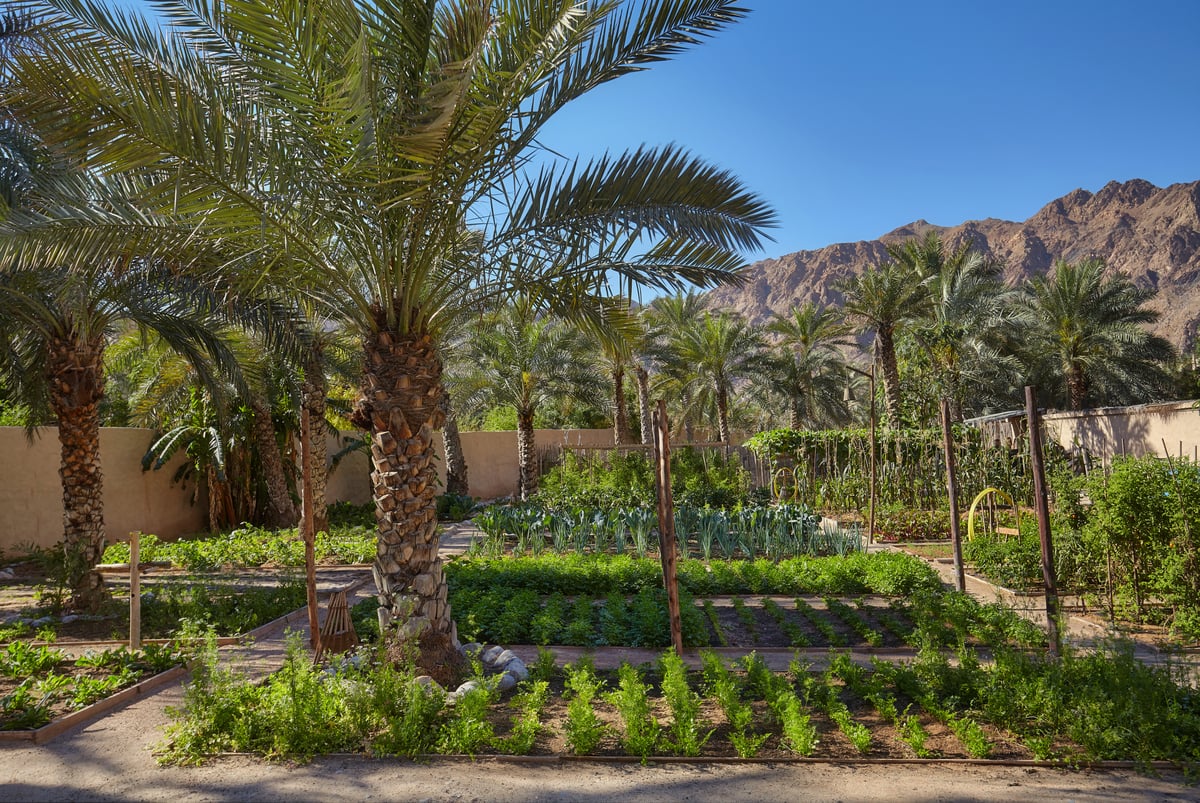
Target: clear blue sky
[(854, 117)]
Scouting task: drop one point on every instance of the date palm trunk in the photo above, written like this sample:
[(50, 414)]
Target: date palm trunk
[(401, 406), (281, 510), (885, 343), (723, 412), (75, 370), (621, 433), (1076, 387), (643, 392), (796, 413), (526, 455), (313, 392), (456, 462)]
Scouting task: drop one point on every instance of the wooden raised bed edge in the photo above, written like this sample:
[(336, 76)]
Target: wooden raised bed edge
[(558, 758), (94, 711)]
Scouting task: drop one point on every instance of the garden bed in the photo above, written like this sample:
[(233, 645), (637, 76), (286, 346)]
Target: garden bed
[(42, 686)]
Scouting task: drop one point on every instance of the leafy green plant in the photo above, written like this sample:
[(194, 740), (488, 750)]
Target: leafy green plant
[(468, 727), (584, 730), (526, 723), (640, 730), (686, 726), (799, 733), (543, 667)]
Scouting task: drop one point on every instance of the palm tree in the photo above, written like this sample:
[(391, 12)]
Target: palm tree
[(968, 317), (1086, 336), (806, 366), (54, 328), (348, 150), (522, 360), (883, 299), (663, 322), (719, 350)]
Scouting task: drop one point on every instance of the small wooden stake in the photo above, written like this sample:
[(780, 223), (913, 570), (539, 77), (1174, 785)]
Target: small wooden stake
[(666, 522), (306, 526), (135, 592), (960, 580), (1043, 516)]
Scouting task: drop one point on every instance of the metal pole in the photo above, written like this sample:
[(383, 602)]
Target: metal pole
[(666, 522), (135, 592), (306, 526), (1043, 516), (960, 580)]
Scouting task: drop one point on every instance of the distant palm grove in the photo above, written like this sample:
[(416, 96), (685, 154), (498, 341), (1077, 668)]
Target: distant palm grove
[(272, 211)]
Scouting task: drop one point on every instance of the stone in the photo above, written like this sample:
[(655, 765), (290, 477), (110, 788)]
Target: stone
[(490, 654), (503, 658), (516, 667), (471, 649), (507, 681), (470, 685)]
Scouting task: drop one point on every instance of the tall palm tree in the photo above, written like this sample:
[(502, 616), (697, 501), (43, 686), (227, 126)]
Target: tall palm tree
[(54, 328), (520, 359), (1086, 335), (969, 314), (347, 151), (664, 320), (719, 350), (883, 299), (806, 366)]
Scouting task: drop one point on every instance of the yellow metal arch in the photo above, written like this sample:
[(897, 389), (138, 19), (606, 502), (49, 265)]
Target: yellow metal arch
[(785, 471), (979, 498)]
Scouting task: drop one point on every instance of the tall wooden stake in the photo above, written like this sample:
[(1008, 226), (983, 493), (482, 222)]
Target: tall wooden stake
[(960, 580), (135, 592), (306, 526), (1043, 516), (874, 462), (666, 521)]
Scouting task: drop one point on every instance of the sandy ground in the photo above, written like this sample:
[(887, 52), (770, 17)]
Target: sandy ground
[(111, 759)]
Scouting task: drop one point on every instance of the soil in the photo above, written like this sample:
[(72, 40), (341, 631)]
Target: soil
[(27, 596), (111, 759)]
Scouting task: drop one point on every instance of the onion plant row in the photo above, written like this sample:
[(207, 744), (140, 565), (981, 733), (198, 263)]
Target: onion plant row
[(773, 532)]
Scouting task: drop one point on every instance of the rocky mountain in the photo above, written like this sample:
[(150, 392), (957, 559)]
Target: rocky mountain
[(1150, 233)]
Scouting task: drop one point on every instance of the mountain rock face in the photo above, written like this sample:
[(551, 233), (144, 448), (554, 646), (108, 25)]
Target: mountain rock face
[(1151, 234)]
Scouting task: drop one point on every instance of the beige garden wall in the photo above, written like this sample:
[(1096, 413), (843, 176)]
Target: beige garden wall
[(31, 509), (1138, 430), (31, 495), (491, 457)]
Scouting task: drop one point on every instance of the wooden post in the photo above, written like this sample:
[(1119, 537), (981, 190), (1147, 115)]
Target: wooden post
[(1043, 516), (874, 463), (666, 522), (306, 527), (960, 580), (135, 592)]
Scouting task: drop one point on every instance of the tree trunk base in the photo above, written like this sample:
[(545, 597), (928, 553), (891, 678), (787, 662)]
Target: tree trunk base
[(90, 593)]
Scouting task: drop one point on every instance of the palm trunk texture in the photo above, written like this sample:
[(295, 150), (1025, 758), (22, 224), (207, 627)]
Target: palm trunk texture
[(75, 370), (621, 432), (314, 391), (401, 406), (456, 462), (891, 375), (723, 412), (643, 392), (526, 455), (281, 510)]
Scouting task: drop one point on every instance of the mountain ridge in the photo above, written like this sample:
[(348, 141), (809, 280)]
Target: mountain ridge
[(1150, 233)]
